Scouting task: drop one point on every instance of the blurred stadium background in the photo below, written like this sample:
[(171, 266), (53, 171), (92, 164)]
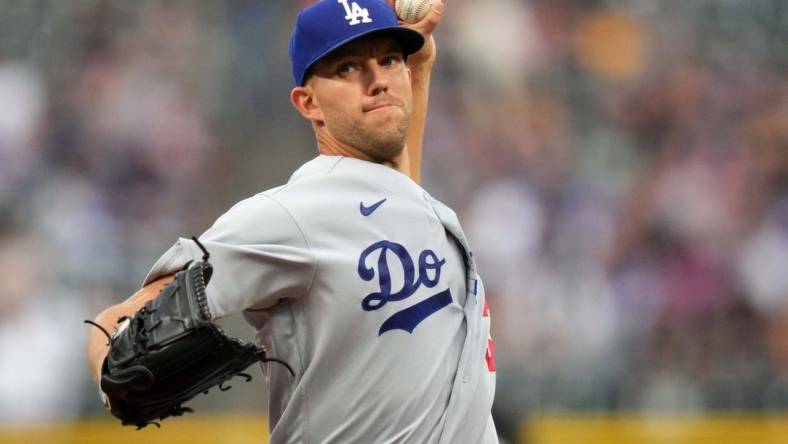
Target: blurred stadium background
[(621, 168)]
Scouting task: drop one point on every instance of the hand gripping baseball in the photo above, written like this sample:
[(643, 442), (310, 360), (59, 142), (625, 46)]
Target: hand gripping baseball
[(169, 351), (428, 24)]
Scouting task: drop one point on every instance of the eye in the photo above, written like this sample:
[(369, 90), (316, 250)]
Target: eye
[(391, 60), (345, 68)]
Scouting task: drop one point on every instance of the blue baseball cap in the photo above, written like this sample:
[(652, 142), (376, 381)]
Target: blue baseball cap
[(329, 24)]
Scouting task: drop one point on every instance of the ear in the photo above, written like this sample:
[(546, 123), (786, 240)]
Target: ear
[(303, 100)]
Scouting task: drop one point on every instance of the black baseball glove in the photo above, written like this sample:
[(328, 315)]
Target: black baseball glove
[(169, 351)]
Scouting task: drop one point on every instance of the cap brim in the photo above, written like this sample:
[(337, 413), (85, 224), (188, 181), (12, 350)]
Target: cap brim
[(410, 40)]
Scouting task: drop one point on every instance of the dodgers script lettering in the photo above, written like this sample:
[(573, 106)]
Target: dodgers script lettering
[(429, 274)]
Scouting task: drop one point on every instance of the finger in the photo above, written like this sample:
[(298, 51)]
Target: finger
[(431, 21)]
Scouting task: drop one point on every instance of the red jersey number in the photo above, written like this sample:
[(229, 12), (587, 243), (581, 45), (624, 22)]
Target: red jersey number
[(489, 356)]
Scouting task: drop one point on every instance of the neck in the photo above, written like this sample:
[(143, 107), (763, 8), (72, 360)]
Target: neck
[(330, 146)]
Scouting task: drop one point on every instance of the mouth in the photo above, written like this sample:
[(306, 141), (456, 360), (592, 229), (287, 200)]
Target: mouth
[(378, 106)]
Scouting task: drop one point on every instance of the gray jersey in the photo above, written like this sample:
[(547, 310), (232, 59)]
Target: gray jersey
[(365, 285)]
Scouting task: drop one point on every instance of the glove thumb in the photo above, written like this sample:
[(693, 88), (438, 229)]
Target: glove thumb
[(120, 382)]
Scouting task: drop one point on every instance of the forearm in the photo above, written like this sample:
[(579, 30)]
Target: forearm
[(420, 86), (420, 65), (108, 319)]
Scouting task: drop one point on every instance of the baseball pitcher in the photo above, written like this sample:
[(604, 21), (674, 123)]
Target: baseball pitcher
[(370, 317)]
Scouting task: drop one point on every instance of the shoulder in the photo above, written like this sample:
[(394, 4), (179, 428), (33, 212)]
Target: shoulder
[(262, 204), (258, 219), (269, 216)]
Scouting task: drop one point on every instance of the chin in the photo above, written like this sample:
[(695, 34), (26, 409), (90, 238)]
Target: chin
[(386, 150)]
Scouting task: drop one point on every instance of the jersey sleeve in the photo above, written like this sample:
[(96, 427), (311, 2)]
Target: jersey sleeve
[(259, 256)]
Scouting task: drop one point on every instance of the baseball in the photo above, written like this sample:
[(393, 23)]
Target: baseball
[(412, 11)]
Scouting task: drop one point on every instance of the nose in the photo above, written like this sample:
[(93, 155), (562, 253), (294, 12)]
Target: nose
[(376, 79)]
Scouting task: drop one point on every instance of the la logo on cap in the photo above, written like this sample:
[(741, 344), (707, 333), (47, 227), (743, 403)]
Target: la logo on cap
[(355, 13)]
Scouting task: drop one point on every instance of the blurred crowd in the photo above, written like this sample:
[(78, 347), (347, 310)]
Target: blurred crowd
[(621, 168)]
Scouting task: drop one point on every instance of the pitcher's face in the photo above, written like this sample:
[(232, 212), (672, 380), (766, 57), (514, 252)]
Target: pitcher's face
[(363, 94)]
